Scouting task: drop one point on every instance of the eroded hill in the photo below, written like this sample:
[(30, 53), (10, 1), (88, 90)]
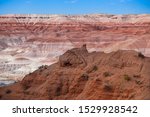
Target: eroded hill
[(29, 41), (82, 75)]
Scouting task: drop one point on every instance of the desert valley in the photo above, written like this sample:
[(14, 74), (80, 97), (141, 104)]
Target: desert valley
[(95, 56)]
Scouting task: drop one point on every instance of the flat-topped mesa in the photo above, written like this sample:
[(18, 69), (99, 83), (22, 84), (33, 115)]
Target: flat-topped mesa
[(74, 57)]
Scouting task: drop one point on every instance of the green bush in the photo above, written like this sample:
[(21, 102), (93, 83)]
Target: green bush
[(127, 78), (137, 76), (84, 76), (8, 91), (95, 68), (107, 87), (43, 67), (107, 74)]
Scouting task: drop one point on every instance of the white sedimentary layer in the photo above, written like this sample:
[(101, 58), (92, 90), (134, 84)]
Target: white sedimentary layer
[(21, 58), (77, 18), (20, 55)]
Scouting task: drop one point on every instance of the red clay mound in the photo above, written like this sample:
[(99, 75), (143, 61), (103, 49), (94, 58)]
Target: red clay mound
[(82, 75)]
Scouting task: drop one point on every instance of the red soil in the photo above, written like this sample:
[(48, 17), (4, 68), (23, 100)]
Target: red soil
[(82, 75)]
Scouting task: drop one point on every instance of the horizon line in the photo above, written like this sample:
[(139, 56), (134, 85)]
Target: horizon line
[(75, 14)]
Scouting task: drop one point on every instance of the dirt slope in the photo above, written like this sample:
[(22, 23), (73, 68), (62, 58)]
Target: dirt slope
[(82, 75)]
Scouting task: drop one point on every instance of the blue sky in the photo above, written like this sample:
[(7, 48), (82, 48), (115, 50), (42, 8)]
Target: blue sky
[(74, 6)]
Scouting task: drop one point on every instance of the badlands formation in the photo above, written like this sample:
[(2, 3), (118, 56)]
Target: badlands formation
[(29, 41), (123, 74)]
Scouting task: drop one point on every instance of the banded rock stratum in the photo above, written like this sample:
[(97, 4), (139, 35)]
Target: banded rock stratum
[(29, 41)]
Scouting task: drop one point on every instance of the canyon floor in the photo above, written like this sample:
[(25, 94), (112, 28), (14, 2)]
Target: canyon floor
[(28, 42)]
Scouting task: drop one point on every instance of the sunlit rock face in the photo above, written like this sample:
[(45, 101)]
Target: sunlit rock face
[(29, 41), (80, 75)]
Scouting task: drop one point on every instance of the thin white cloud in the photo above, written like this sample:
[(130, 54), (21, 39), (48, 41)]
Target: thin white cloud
[(71, 1), (122, 1), (28, 2)]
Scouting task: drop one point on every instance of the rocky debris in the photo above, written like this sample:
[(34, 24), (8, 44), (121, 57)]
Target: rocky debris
[(116, 75)]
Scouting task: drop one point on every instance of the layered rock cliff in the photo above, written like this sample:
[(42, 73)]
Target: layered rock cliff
[(82, 75), (29, 41)]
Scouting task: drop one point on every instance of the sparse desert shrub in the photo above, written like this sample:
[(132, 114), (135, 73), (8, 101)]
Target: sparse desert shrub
[(40, 67), (46, 66), (141, 55), (47, 74), (67, 63), (58, 91), (138, 82), (25, 87), (43, 67), (127, 77), (84, 76), (107, 74), (8, 91), (137, 76), (30, 73), (107, 87), (95, 68)]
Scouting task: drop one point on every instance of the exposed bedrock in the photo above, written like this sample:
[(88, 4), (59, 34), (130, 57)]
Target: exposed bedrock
[(82, 75), (29, 41)]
